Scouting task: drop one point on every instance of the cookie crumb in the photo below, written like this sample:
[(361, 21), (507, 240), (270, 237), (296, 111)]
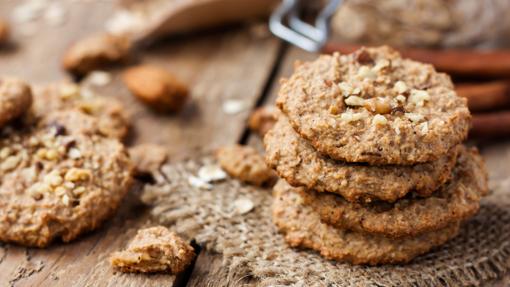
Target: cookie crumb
[(262, 119), (148, 158), (95, 52), (156, 87), (245, 164), (4, 31), (154, 249), (15, 99)]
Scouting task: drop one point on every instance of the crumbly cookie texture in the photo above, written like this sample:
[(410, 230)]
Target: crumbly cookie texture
[(156, 87), (95, 52), (112, 119), (4, 31), (300, 164), (262, 119), (373, 106), (411, 216), (58, 182), (148, 158), (15, 99), (302, 227), (154, 249), (245, 164)]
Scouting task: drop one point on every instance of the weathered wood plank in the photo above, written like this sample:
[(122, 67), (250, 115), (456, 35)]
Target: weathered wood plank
[(223, 65)]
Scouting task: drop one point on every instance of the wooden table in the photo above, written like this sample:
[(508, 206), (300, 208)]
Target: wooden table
[(238, 63)]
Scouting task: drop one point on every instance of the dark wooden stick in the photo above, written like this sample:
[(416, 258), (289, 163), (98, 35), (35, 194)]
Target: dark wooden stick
[(491, 125), (485, 96)]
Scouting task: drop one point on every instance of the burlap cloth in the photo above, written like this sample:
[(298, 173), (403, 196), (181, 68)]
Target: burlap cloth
[(251, 245)]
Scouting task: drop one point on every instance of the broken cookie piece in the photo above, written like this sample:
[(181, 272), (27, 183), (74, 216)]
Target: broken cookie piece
[(15, 98), (262, 120), (154, 249), (95, 52), (156, 87), (246, 164)]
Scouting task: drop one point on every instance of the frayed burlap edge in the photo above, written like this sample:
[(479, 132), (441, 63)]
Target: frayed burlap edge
[(217, 218)]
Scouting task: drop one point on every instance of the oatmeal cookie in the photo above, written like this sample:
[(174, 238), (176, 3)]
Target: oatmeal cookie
[(15, 99), (302, 227), (245, 164), (58, 182), (112, 119), (410, 216), (156, 87), (373, 106), (95, 52), (154, 249), (296, 160)]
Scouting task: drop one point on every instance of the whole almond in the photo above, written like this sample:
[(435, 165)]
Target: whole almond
[(156, 87), (95, 52)]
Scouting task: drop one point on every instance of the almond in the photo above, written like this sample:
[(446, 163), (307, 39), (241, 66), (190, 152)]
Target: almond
[(156, 87)]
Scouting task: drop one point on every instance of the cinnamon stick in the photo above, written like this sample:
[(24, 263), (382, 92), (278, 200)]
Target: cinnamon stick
[(491, 125), (485, 96), (456, 62)]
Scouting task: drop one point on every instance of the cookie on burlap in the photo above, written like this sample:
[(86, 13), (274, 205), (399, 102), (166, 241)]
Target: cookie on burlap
[(154, 249), (373, 106), (410, 216), (15, 99), (302, 227), (112, 119), (296, 160), (58, 181)]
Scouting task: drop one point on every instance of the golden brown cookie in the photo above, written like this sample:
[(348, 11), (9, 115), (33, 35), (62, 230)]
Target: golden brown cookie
[(245, 164), (410, 216), (112, 119), (296, 160), (156, 87), (154, 249), (302, 227), (373, 106), (95, 52), (58, 182), (15, 99)]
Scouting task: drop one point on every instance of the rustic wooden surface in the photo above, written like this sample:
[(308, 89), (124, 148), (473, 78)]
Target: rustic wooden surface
[(241, 64)]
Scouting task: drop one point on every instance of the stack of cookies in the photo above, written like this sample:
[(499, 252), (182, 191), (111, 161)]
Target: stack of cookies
[(368, 146)]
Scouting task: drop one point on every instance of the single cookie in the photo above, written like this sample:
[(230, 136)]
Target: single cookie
[(373, 106), (95, 52), (15, 99), (156, 87), (58, 182), (302, 227), (154, 249), (245, 164), (296, 160), (112, 119), (410, 216)]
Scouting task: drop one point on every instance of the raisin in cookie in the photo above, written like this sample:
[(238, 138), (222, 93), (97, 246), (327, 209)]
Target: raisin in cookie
[(154, 249), (112, 120), (296, 160), (302, 227), (410, 216), (15, 99), (373, 106), (57, 182)]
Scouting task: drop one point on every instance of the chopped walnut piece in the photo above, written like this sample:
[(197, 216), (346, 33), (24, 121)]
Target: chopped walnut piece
[(154, 249), (355, 101), (4, 31), (418, 97), (95, 52), (262, 119), (156, 87), (379, 120), (148, 158), (246, 164)]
